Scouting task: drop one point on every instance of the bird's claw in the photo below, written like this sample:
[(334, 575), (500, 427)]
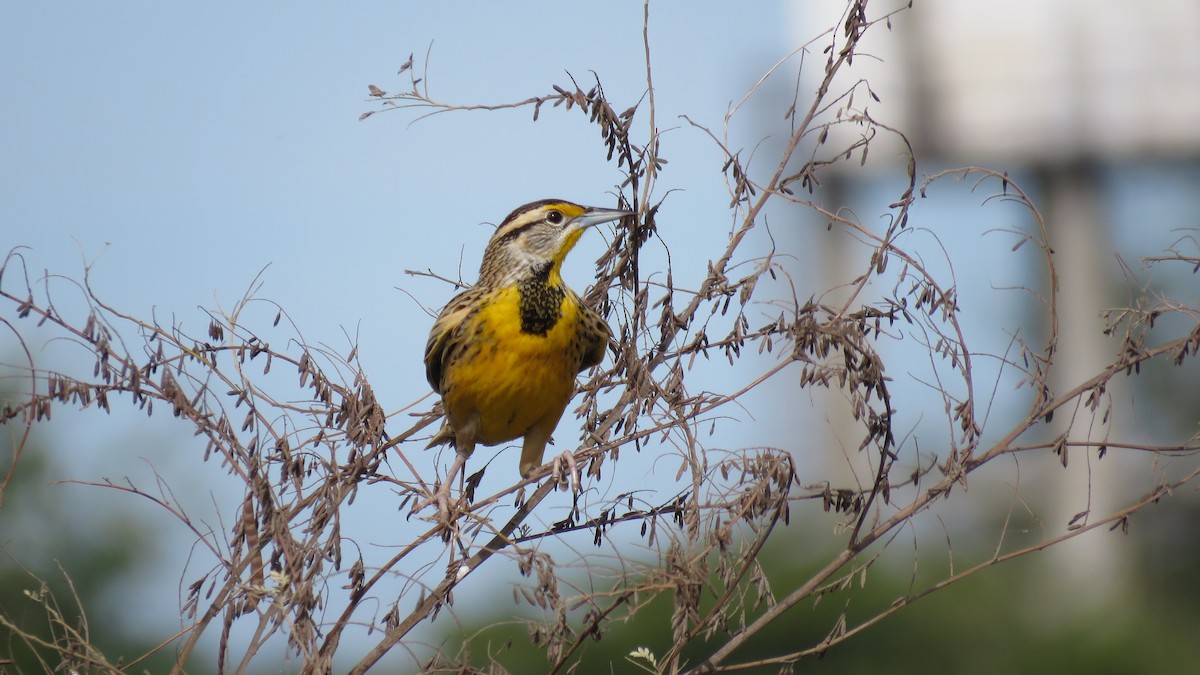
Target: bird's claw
[(447, 509), (566, 472)]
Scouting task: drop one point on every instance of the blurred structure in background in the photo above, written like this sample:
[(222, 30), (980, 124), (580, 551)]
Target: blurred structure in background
[(1061, 93), (1054, 83)]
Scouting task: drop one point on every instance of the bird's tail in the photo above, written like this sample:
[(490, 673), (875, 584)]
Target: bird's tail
[(444, 435)]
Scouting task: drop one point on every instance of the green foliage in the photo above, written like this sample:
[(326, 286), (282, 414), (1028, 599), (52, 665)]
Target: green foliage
[(58, 587), (999, 621)]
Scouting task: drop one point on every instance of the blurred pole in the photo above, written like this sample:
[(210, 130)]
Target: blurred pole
[(1088, 570)]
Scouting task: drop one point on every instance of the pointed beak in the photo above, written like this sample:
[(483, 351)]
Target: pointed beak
[(594, 216)]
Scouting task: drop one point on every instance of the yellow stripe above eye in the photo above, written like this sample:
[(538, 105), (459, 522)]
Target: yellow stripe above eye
[(568, 209), (527, 215)]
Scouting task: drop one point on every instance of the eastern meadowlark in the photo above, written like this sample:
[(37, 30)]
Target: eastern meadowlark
[(504, 353)]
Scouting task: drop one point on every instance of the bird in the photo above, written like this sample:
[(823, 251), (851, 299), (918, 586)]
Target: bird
[(504, 353)]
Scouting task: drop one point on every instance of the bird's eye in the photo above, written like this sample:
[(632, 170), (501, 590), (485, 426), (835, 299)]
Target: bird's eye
[(554, 217)]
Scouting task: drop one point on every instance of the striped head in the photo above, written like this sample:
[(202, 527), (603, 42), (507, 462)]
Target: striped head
[(535, 238)]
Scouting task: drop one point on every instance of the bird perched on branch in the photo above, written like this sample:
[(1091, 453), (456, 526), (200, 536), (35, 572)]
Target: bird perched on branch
[(504, 353)]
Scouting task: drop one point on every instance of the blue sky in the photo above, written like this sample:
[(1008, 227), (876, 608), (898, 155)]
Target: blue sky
[(185, 149)]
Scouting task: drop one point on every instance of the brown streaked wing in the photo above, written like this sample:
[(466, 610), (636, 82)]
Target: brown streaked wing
[(444, 331), (597, 333)]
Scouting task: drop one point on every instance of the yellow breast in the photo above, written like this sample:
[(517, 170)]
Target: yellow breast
[(510, 378)]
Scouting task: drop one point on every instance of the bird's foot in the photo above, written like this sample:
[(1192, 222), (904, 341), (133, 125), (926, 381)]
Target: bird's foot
[(447, 509), (566, 472)]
